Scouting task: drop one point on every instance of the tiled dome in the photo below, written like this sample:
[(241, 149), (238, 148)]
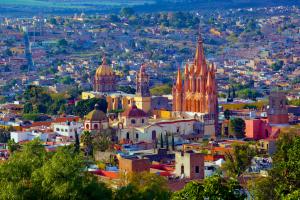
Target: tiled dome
[(134, 112)]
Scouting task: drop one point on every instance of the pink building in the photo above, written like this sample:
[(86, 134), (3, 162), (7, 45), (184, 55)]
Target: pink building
[(260, 129)]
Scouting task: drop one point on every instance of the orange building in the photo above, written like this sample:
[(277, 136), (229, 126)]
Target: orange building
[(198, 91)]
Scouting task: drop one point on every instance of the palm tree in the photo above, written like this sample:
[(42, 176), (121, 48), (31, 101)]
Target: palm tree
[(87, 141)]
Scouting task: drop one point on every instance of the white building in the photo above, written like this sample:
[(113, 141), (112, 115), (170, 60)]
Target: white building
[(68, 128), (19, 136)]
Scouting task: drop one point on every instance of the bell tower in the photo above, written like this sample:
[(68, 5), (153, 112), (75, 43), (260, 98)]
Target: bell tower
[(143, 97), (277, 111)]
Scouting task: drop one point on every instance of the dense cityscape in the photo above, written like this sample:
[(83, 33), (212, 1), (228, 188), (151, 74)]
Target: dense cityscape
[(137, 102)]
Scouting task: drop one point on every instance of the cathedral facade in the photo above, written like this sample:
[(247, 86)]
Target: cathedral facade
[(196, 90)]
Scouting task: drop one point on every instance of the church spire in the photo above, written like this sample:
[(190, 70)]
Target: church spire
[(104, 61), (210, 84), (178, 80), (200, 62)]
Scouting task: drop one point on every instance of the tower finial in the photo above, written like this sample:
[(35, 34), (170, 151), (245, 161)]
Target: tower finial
[(104, 62), (178, 80), (199, 35)]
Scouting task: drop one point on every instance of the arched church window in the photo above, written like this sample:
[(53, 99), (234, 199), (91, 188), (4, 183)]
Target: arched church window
[(154, 135)]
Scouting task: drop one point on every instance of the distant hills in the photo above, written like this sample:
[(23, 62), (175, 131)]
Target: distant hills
[(29, 7)]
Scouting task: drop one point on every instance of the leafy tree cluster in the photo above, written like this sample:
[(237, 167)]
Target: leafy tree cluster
[(248, 94), (68, 80), (97, 141), (161, 90), (283, 181), (237, 127), (127, 89), (294, 102), (214, 187), (38, 100), (238, 160), (143, 186), (32, 173), (83, 107), (4, 135), (277, 65)]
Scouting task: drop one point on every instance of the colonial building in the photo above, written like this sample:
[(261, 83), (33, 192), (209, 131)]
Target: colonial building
[(143, 97), (105, 79), (95, 120), (189, 165), (277, 110), (105, 87)]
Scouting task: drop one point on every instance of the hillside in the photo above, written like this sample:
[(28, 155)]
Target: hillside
[(29, 7)]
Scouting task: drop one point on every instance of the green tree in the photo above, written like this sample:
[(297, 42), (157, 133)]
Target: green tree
[(28, 108), (214, 187), (127, 89), (248, 94), (15, 173), (238, 160), (161, 90), (4, 135), (147, 186), (83, 107), (237, 127), (87, 140), (277, 65), (12, 146), (227, 114), (102, 140), (62, 177), (62, 42), (33, 173), (283, 181)]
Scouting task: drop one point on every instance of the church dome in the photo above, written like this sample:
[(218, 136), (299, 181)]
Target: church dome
[(96, 115), (104, 69), (134, 112)]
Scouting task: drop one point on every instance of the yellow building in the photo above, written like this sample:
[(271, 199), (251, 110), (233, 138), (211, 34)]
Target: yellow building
[(120, 100)]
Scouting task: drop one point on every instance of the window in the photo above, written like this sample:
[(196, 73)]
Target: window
[(178, 129), (87, 126), (57, 129), (133, 121), (66, 130), (95, 126), (182, 169), (127, 136), (197, 169), (154, 135), (143, 121), (129, 102), (137, 136)]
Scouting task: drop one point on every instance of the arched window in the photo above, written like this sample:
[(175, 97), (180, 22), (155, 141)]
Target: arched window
[(127, 136), (182, 169), (267, 133), (95, 126), (87, 126), (143, 121), (137, 136), (133, 121), (154, 135)]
